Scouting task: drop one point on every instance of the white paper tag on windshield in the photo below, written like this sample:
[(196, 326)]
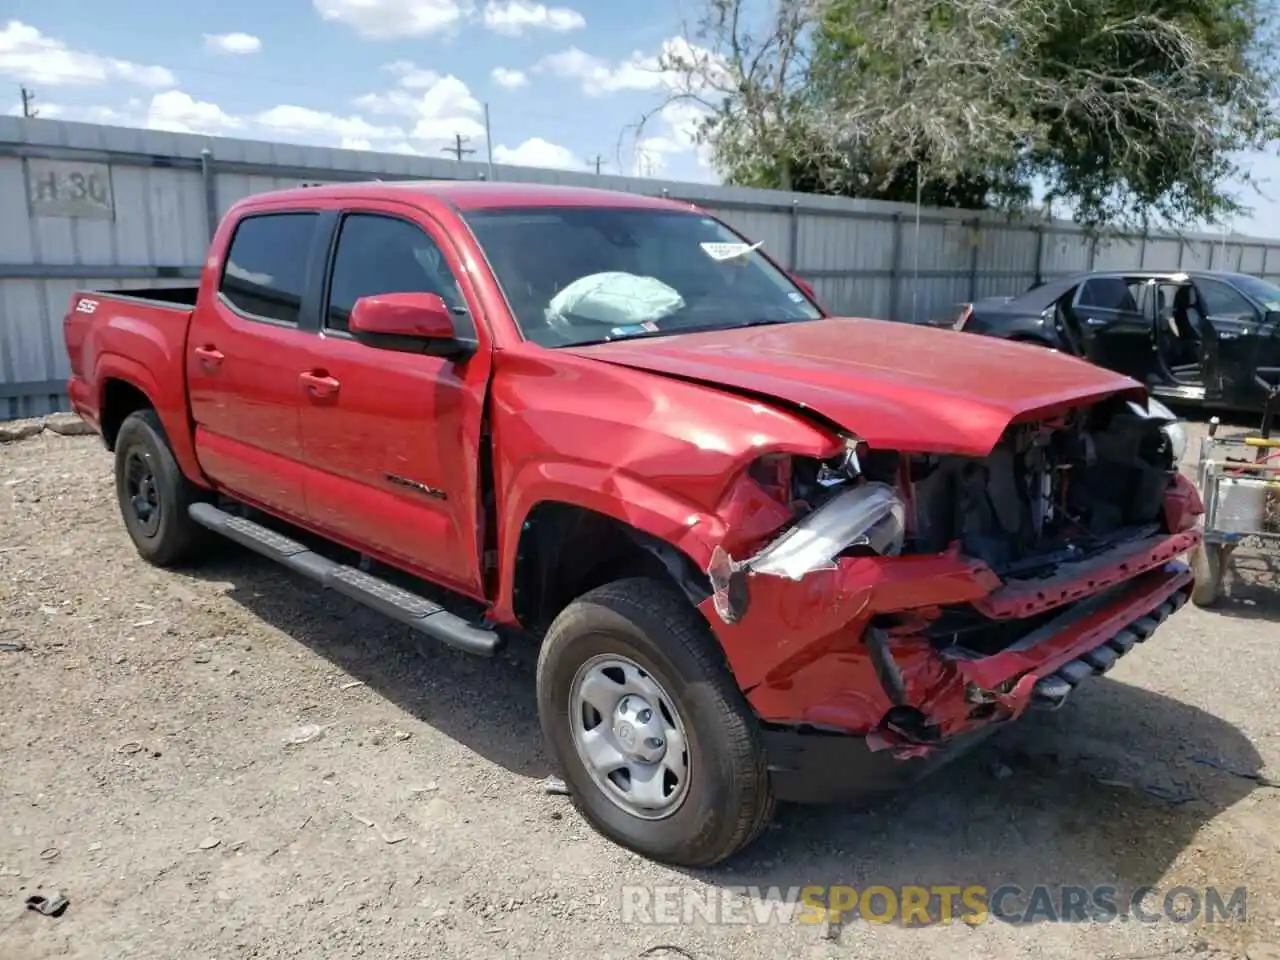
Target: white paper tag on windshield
[(727, 251)]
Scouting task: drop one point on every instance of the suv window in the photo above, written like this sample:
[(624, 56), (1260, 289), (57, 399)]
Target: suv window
[(266, 270), (1218, 299), (381, 254), (1110, 293)]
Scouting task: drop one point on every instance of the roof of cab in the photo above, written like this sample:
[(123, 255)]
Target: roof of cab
[(480, 194)]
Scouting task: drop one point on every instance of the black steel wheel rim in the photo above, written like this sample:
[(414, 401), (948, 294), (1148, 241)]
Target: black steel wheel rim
[(142, 493)]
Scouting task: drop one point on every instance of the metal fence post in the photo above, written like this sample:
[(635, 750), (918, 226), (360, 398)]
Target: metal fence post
[(1039, 264), (975, 248), (793, 238), (209, 178), (895, 267)]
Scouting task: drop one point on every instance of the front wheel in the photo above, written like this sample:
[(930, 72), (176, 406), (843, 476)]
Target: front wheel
[(659, 749)]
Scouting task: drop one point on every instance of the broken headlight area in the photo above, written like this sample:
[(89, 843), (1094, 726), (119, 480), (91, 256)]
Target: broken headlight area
[(867, 517)]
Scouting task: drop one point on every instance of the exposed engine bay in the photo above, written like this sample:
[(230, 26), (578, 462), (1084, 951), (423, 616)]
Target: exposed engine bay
[(1051, 492)]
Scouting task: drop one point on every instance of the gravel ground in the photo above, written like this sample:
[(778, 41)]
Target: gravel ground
[(220, 763)]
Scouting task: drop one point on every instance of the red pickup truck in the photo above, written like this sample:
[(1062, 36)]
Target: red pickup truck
[(768, 554)]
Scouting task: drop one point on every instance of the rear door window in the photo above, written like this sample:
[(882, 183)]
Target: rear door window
[(1110, 293), (266, 269)]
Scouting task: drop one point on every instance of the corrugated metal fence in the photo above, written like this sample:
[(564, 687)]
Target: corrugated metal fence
[(93, 206)]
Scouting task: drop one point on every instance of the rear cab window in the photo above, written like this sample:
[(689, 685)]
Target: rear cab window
[(265, 274)]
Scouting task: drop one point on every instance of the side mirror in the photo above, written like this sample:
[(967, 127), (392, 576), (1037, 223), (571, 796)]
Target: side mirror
[(804, 285), (412, 322)]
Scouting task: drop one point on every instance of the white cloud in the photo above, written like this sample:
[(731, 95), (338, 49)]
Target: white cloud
[(396, 19), (181, 113), (355, 143), (438, 106), (29, 56), (536, 152), (640, 71), (290, 119), (514, 17), (234, 43), (598, 77), (511, 79)]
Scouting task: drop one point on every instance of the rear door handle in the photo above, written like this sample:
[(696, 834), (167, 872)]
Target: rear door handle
[(319, 384), (210, 356)]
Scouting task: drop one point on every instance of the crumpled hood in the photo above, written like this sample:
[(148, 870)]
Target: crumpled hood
[(897, 386)]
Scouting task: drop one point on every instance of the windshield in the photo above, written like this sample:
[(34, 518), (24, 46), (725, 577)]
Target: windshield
[(590, 274), (1265, 293)]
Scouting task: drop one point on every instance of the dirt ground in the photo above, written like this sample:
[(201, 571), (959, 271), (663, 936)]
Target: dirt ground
[(221, 763)]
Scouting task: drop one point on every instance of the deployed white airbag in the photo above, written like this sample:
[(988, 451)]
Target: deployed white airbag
[(614, 299)]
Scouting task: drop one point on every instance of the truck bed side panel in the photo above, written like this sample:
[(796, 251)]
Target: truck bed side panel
[(138, 342)]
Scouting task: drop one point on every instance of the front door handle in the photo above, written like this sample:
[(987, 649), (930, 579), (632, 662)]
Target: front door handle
[(210, 356), (319, 384)]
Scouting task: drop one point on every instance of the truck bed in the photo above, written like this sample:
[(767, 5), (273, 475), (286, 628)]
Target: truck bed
[(120, 337), (184, 295)]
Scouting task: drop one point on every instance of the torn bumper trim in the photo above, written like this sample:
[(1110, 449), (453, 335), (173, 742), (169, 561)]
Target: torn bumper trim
[(1026, 598), (1051, 692), (1073, 634)]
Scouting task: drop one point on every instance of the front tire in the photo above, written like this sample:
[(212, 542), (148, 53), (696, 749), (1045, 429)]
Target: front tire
[(154, 494), (658, 747)]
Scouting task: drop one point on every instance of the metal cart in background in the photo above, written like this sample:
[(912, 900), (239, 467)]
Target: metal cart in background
[(1239, 480)]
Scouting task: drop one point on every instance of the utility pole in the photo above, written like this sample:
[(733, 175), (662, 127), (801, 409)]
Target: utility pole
[(488, 141), (457, 149), (28, 103), (597, 161)]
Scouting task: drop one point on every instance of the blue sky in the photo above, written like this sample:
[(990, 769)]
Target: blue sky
[(563, 81)]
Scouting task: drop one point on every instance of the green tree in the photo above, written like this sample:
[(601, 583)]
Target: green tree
[(1127, 111)]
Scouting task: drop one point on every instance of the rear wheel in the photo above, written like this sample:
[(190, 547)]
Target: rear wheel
[(659, 749), (153, 493)]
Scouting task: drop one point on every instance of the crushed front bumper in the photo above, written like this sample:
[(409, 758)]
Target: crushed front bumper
[(812, 765), (804, 657)]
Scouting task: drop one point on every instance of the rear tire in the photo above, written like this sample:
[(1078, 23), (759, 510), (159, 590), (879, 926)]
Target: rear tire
[(648, 635), (154, 494)]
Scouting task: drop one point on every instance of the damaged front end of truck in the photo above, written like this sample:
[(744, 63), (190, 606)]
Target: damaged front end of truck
[(891, 609)]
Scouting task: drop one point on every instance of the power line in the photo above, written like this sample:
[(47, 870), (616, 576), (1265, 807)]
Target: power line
[(457, 148), (28, 103)]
